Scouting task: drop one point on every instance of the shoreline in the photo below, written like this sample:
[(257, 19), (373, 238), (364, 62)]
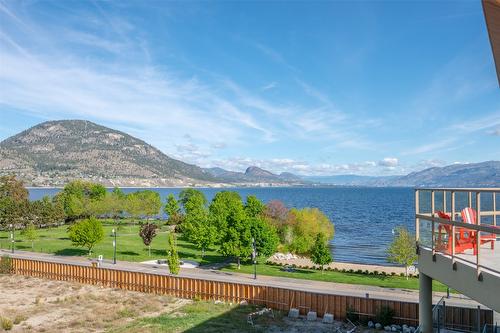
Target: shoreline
[(302, 262)]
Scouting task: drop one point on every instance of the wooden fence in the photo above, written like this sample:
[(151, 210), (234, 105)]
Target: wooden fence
[(276, 298)]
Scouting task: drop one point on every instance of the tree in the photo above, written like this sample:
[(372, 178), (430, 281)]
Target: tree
[(254, 207), (13, 188), (173, 257), (305, 224), (320, 253), (143, 203), (86, 233), (173, 210), (30, 234), (79, 198), (14, 202), (265, 235), (147, 233), (191, 198), (229, 218), (402, 249), (197, 227)]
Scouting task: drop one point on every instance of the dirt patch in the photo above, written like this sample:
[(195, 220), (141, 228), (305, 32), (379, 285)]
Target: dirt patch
[(38, 305)]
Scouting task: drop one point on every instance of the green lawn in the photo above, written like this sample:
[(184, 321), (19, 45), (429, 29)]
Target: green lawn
[(339, 277), (129, 245), (204, 317)]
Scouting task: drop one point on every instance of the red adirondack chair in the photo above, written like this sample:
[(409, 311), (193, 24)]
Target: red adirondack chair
[(469, 216), (463, 240)]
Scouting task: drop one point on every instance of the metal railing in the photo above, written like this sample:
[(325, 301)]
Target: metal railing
[(453, 236)]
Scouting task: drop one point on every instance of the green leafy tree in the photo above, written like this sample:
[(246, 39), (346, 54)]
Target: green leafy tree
[(402, 249), (191, 198), (254, 207), (197, 227), (144, 203), (228, 215), (14, 202), (320, 253), (147, 233), (173, 257), (30, 234), (305, 224), (265, 235), (86, 233), (173, 210), (79, 198)]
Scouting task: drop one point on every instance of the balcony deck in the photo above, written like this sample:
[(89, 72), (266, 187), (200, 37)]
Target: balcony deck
[(448, 245), (489, 259)]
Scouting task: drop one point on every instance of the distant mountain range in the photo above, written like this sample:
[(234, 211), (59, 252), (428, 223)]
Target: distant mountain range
[(484, 174), (55, 152)]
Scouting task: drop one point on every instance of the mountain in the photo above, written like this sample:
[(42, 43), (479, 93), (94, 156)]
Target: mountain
[(350, 180), (55, 152), (255, 175), (484, 174)]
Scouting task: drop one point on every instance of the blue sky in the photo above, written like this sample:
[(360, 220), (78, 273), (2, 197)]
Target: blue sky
[(319, 88)]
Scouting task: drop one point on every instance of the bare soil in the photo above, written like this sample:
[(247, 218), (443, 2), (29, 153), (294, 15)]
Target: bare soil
[(38, 305)]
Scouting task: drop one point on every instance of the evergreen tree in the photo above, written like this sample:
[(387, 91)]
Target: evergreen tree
[(320, 253), (173, 257)]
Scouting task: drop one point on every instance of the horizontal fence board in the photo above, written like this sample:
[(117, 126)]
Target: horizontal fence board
[(273, 297)]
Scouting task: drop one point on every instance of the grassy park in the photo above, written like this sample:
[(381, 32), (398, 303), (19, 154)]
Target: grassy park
[(130, 248), (229, 227), (129, 245)]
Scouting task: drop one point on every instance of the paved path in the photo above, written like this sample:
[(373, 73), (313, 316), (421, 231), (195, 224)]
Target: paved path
[(281, 282)]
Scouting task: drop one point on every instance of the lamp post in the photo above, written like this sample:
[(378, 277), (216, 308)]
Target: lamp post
[(254, 257), (114, 245), (12, 236)]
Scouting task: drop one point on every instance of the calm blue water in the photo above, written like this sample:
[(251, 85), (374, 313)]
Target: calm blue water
[(363, 217)]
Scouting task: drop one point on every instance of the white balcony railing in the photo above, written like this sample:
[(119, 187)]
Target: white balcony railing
[(472, 237)]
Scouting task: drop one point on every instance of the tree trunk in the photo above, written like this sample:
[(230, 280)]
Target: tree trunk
[(239, 265), (32, 245), (149, 250), (202, 253), (406, 272)]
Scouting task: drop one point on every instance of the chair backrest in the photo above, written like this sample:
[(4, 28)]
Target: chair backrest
[(469, 215), (443, 215)]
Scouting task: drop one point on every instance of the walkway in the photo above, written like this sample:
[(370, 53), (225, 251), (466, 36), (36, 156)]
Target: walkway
[(280, 282)]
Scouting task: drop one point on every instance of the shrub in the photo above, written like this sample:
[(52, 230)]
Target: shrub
[(359, 271), (367, 272), (351, 314), (402, 274), (393, 273), (5, 265), (6, 323), (18, 319), (384, 315), (351, 270), (375, 272)]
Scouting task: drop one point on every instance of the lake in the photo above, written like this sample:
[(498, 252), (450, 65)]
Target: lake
[(363, 217)]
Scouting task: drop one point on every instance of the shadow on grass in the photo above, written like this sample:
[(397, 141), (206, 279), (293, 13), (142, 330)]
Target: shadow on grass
[(128, 253), (207, 317), (71, 252)]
